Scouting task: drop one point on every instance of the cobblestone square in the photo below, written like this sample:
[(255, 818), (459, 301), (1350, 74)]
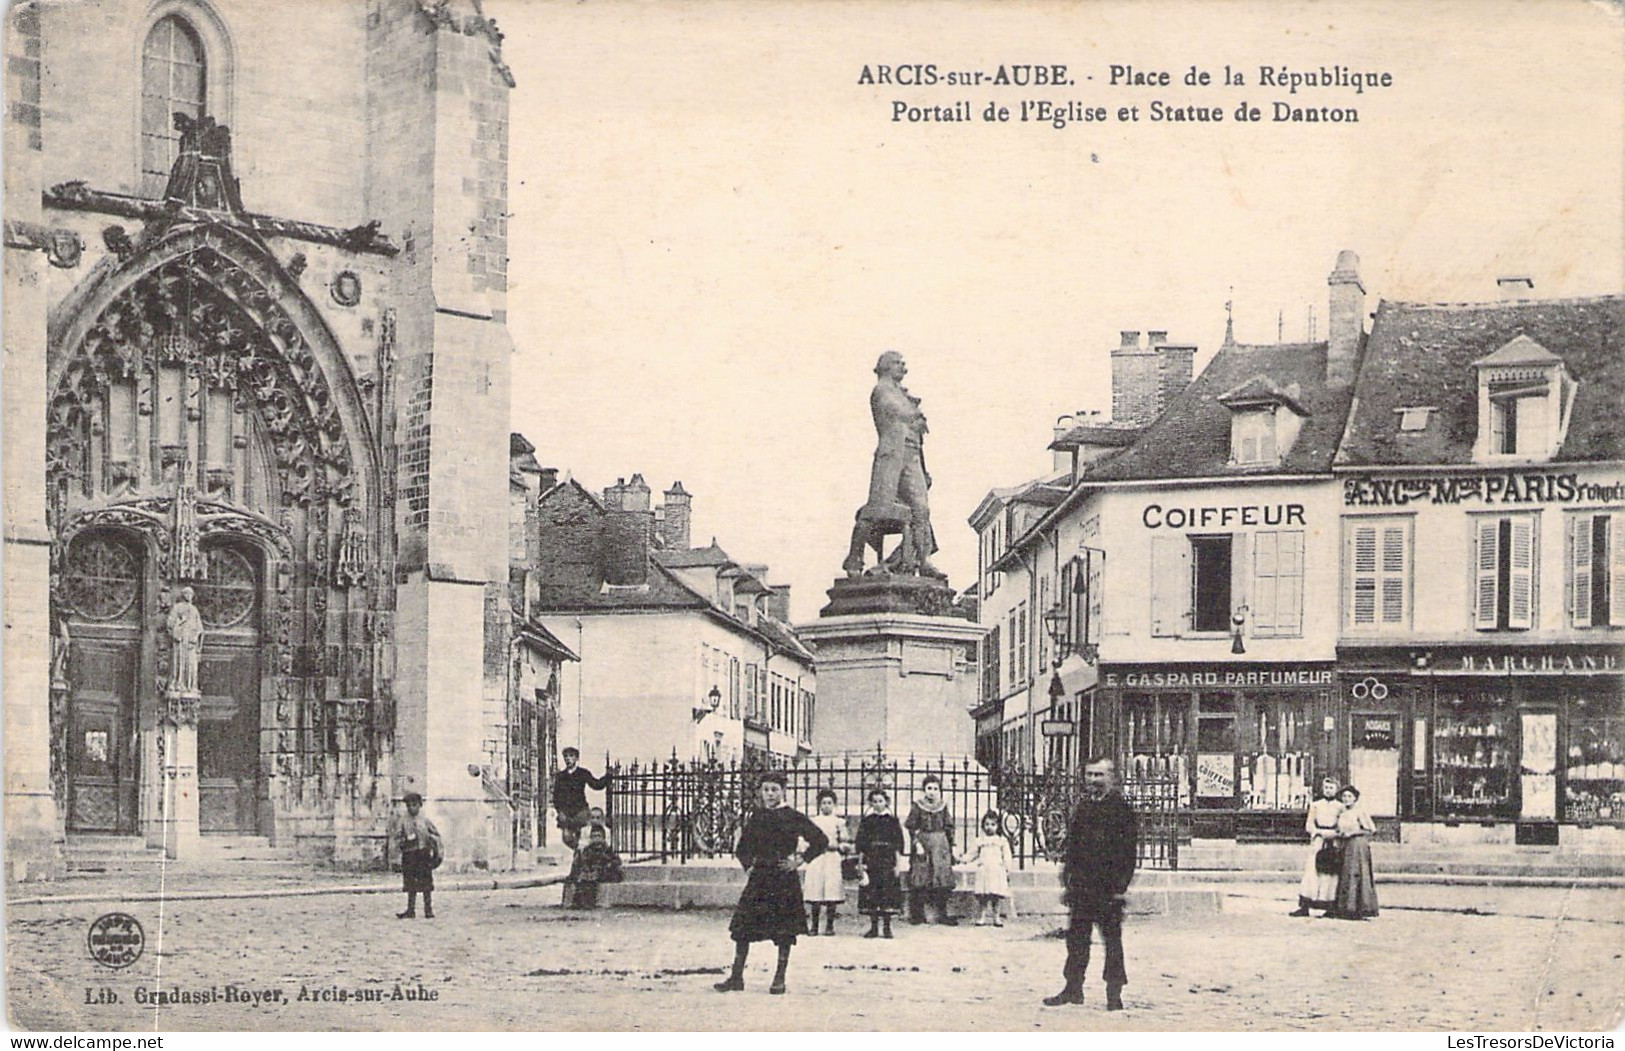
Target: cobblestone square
[(1438, 958)]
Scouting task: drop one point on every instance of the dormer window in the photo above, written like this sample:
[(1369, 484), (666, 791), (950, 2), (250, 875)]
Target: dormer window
[(1264, 422), (1415, 417), (1524, 398), (1252, 437)]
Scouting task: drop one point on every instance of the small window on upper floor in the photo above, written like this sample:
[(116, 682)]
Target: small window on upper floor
[(1264, 421), (1414, 417), (1252, 437), (1525, 396), (173, 80)]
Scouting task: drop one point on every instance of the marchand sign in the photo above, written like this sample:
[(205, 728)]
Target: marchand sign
[(1532, 664), (1501, 487)]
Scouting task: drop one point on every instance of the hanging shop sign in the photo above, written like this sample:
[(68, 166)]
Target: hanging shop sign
[(1501, 487)]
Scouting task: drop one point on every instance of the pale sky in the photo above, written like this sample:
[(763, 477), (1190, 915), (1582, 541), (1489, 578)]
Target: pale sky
[(716, 229)]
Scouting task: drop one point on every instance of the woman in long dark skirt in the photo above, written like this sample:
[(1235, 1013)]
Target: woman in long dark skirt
[(1356, 889), (880, 842), (770, 908)]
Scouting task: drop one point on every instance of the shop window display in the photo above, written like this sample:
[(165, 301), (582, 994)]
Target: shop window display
[(1595, 768), (1475, 758), (1280, 774), (1157, 743)]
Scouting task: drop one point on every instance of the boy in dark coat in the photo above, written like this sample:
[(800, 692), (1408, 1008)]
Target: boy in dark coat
[(419, 843), (771, 908), (1100, 858), (570, 796)]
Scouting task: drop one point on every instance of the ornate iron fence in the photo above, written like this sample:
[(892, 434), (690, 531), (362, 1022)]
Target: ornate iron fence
[(677, 810)]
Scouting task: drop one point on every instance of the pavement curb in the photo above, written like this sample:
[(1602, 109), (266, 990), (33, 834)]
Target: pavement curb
[(393, 887), (1443, 879), (1200, 876)]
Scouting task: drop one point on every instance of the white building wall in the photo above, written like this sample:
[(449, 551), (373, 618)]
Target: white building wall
[(1442, 577), (1130, 518)]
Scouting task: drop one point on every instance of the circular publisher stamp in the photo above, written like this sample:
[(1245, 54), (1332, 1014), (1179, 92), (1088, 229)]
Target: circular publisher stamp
[(115, 939)]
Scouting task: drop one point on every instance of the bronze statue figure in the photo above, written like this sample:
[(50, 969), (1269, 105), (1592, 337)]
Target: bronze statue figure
[(898, 481)]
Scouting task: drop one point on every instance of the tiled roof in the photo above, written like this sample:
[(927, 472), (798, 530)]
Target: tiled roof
[(1260, 390), (1424, 353), (536, 633), (1191, 439), (783, 638), (694, 556), (1521, 351), (663, 591), (1097, 434), (1042, 495)]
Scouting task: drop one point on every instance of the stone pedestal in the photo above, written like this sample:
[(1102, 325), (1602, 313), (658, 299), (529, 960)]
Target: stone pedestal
[(176, 828), (890, 676)]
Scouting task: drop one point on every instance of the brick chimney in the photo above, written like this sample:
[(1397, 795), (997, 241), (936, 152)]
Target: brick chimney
[(674, 521), (1345, 325), (623, 548), (1175, 362), (1062, 457), (636, 496), (1134, 381), (549, 478), (1518, 287), (778, 602), (615, 495)]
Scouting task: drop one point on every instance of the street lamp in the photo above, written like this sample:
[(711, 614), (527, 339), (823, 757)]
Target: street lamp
[(712, 702), (1055, 624)]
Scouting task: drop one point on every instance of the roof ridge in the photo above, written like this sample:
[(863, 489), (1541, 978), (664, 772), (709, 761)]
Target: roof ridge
[(1479, 304)]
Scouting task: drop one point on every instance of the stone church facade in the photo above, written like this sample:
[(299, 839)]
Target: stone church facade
[(257, 370)]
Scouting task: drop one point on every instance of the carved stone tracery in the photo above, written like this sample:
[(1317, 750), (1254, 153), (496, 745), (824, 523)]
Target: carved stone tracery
[(209, 315)]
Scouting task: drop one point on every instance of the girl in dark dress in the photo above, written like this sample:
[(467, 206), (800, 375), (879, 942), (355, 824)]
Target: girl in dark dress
[(880, 841), (770, 908)]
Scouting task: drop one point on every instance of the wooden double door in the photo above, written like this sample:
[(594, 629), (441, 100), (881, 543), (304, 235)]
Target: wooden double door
[(113, 707)]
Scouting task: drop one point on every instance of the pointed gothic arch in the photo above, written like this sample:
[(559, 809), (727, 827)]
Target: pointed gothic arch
[(197, 397)]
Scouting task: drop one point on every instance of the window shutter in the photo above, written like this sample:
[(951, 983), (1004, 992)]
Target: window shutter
[(1289, 584), (1363, 577), (1486, 559), (1521, 580), (1266, 441), (1580, 569), (1010, 645), (1239, 584), (1170, 584), (1021, 644), (1263, 606), (1616, 569), (1393, 574), (1094, 598)]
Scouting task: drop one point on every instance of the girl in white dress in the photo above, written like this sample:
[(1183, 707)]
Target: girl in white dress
[(990, 853), (821, 880)]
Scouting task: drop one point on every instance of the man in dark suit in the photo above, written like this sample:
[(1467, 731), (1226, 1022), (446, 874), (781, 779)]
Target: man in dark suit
[(1100, 857)]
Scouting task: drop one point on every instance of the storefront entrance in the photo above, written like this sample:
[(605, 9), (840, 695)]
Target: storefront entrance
[(1246, 743), (1533, 737)]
